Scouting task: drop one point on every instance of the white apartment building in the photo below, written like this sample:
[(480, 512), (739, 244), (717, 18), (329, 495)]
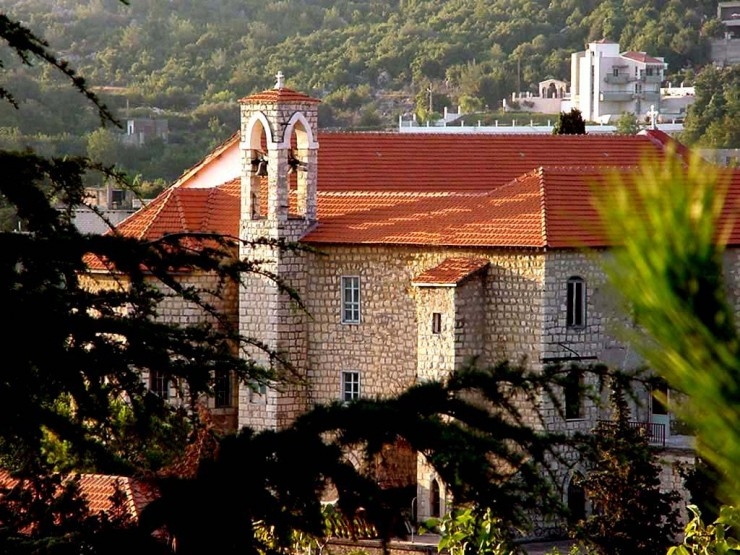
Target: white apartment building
[(606, 83)]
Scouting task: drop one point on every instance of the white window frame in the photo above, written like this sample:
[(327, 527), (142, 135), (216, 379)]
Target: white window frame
[(257, 392), (350, 385), (223, 389), (159, 384), (575, 304), (351, 298)]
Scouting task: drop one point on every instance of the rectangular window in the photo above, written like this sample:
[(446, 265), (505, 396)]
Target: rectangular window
[(615, 72), (223, 391), (159, 384), (436, 322), (573, 390), (350, 300), (576, 303), (257, 392), (649, 71), (350, 386)]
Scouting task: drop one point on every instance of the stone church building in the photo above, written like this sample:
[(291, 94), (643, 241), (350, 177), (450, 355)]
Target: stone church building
[(422, 251)]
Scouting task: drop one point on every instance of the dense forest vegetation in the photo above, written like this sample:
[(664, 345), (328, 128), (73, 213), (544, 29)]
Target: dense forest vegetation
[(370, 61)]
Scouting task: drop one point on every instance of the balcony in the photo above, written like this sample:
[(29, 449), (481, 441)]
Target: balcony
[(615, 96), (652, 79), (621, 79), (655, 433)]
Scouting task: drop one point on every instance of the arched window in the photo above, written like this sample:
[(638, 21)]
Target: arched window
[(576, 500), (576, 303)]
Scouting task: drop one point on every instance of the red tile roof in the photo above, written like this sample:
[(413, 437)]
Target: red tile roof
[(183, 209), (641, 57), (280, 95), (99, 490), (464, 162), (451, 271), (425, 189)]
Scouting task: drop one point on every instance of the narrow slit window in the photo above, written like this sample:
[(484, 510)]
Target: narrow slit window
[(573, 390), (436, 322), (576, 303)]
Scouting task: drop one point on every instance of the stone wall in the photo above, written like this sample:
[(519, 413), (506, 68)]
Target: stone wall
[(269, 315), (384, 346), (221, 295)]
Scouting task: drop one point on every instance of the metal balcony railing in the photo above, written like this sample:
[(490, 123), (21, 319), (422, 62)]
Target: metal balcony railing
[(615, 96), (654, 432), (620, 79)]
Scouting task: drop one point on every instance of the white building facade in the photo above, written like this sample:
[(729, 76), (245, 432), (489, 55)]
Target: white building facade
[(606, 83)]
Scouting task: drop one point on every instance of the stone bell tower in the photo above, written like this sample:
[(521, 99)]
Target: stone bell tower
[(278, 204)]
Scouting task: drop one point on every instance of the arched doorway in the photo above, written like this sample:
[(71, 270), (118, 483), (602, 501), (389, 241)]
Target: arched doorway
[(435, 501), (576, 500)]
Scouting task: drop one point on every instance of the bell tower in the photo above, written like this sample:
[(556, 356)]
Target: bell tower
[(278, 206)]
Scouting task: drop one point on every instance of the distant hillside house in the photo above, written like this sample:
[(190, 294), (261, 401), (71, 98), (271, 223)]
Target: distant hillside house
[(726, 51), (107, 206), (606, 83), (430, 249), (139, 131)]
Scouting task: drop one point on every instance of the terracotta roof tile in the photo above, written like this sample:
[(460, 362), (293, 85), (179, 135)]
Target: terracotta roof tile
[(279, 95), (183, 209), (641, 57), (451, 271), (423, 189), (446, 162), (99, 489)]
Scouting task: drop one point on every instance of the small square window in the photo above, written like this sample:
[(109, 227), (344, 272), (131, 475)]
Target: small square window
[(350, 299), (436, 322), (159, 384), (350, 386), (257, 392)]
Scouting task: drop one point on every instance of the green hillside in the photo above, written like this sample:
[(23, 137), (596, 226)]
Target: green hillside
[(368, 60)]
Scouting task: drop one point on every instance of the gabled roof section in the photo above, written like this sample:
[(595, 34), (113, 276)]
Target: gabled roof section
[(421, 162), (187, 210), (209, 160), (641, 57), (453, 219), (451, 272), (666, 143)]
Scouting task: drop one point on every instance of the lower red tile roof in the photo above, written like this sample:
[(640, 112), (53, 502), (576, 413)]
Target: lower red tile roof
[(451, 271), (99, 490)]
